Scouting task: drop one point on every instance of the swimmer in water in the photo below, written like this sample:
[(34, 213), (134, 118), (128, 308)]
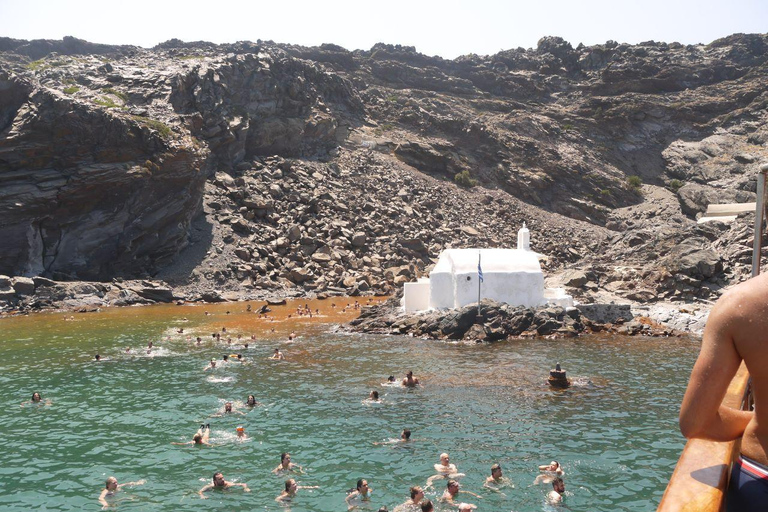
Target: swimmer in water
[(405, 436), (211, 366), (427, 506), (290, 490), (36, 399), (201, 437), (497, 479), (241, 435), (227, 410), (409, 381), (373, 397), (444, 470), (550, 472), (97, 357), (414, 502), (127, 350), (278, 355), (558, 489), (251, 401), (391, 378), (111, 487), (220, 484), (286, 465), (291, 336), (357, 496), (452, 490)]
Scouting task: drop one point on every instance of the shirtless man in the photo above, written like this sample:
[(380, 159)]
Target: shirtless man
[(444, 470), (220, 484), (452, 490), (415, 501), (278, 355), (360, 494), (211, 366), (286, 465), (227, 410), (496, 480), (556, 494), (409, 381), (290, 490), (737, 329), (112, 487), (201, 436)]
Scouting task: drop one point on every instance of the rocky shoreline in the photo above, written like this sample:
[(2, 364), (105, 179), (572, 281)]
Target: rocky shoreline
[(492, 321)]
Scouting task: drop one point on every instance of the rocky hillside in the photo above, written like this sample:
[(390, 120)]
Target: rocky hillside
[(262, 169)]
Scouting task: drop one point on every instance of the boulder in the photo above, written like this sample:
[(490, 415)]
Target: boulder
[(23, 285), (359, 239)]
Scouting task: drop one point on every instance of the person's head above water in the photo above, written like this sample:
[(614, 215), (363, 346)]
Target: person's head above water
[(444, 459), (415, 491), (558, 485), (285, 458), (391, 378), (374, 395), (290, 485), (496, 471), (452, 486), (36, 397), (406, 434), (111, 483), (362, 486), (198, 438), (427, 506), (228, 407), (251, 400), (97, 357), (218, 480)]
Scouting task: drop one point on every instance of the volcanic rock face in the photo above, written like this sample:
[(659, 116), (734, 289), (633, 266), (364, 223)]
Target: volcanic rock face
[(263, 168)]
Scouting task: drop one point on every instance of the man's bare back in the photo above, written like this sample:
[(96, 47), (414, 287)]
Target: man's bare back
[(737, 329)]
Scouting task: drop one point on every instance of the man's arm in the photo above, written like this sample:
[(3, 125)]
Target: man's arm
[(701, 414), (204, 489), (244, 486)]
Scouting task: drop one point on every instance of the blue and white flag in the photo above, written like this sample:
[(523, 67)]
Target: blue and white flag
[(479, 269)]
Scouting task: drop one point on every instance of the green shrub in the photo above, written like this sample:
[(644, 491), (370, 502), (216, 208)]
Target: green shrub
[(71, 89), (123, 97), (675, 185), (634, 182), (106, 102), (605, 192), (37, 65), (464, 179), (163, 129), (567, 126)]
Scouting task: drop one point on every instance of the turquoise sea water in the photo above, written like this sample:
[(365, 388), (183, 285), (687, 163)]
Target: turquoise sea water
[(616, 437)]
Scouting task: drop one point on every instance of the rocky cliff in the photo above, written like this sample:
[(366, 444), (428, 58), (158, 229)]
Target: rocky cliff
[(261, 169)]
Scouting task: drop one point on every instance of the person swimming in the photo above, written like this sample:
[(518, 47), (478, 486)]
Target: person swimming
[(286, 465), (452, 490), (550, 472), (357, 496), (111, 487), (227, 410), (409, 381), (211, 366), (405, 436), (558, 489), (278, 355), (497, 479), (444, 469), (241, 435), (373, 396), (36, 399), (414, 502), (251, 401), (201, 437), (220, 484), (290, 490)]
